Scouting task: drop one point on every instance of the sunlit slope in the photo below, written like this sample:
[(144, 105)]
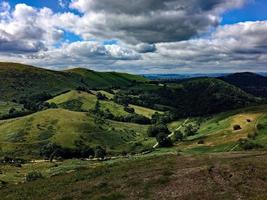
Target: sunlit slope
[(217, 133), (25, 136), (106, 79), (83, 101)]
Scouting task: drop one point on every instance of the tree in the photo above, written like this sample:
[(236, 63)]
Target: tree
[(97, 107), (100, 153), (154, 130), (12, 110), (178, 135), (100, 96), (190, 130), (163, 140), (49, 151), (34, 175)]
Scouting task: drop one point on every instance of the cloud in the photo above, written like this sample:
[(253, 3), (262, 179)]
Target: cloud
[(149, 21), (26, 29), (63, 3), (150, 36)]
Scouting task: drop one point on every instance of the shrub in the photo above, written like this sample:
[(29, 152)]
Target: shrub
[(100, 96), (201, 142), (248, 144), (190, 130), (128, 109), (237, 127), (100, 153), (34, 175), (178, 135), (260, 126)]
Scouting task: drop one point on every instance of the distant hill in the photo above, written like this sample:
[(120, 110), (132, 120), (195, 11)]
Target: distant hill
[(194, 97), (250, 82), (17, 80)]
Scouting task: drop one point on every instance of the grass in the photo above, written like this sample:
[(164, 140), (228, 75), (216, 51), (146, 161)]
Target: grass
[(215, 176), (23, 137), (18, 80), (218, 134), (147, 112)]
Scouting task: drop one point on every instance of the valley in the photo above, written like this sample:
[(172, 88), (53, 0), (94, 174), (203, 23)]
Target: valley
[(82, 129)]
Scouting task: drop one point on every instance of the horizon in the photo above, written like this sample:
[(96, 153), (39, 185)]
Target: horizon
[(166, 37)]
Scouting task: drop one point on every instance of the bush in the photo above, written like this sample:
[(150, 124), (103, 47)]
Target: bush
[(163, 140), (248, 144), (34, 175), (100, 153), (201, 142), (128, 109), (190, 130), (100, 96), (178, 135), (260, 126), (237, 127)]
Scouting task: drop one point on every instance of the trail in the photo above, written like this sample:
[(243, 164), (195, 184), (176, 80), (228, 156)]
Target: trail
[(177, 129)]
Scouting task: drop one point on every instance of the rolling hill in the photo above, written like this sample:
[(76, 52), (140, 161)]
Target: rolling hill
[(18, 80), (25, 136), (252, 83), (192, 97)]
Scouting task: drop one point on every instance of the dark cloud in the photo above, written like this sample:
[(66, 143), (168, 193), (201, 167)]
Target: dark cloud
[(150, 21)]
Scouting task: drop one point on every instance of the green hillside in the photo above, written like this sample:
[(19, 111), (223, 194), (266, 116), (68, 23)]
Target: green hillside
[(193, 97), (18, 80), (105, 79), (217, 133), (23, 137)]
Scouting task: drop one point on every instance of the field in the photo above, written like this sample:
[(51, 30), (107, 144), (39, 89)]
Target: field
[(218, 135), (25, 136), (216, 176)]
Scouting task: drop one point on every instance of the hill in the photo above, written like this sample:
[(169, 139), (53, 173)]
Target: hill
[(217, 133), (250, 82), (193, 97), (25, 136), (84, 101), (18, 80)]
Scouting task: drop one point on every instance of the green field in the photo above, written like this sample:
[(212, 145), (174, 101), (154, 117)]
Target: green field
[(23, 137), (219, 136)]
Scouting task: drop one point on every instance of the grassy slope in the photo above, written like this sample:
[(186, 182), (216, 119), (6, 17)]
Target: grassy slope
[(25, 136), (106, 79), (18, 80), (218, 133), (83, 101), (218, 176)]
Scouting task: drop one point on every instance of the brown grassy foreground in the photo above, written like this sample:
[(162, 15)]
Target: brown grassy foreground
[(240, 175)]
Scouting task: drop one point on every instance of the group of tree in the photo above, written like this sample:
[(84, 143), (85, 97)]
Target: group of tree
[(161, 132), (52, 150), (131, 117)]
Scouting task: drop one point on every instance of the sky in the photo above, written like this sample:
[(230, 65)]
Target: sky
[(136, 36)]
